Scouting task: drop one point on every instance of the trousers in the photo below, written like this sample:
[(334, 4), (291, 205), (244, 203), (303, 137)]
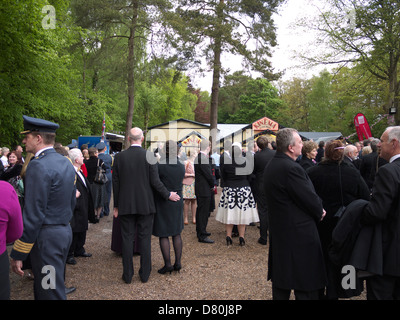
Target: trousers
[(143, 225), (48, 258)]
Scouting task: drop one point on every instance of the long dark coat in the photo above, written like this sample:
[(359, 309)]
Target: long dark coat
[(325, 178), (168, 220), (84, 209), (384, 208), (294, 209)]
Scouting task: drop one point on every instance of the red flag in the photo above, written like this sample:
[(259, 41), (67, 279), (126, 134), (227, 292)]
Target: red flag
[(362, 127)]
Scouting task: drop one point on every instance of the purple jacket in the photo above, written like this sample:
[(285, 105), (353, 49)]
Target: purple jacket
[(11, 225)]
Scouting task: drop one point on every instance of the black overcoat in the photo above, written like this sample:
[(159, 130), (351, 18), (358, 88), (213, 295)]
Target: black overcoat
[(325, 178), (168, 220), (84, 209), (294, 209), (384, 208)]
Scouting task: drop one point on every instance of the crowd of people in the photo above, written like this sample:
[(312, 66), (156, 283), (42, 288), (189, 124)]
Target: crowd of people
[(297, 191)]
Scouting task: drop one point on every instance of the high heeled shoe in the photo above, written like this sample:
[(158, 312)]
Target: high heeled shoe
[(241, 241), (229, 241), (177, 267), (166, 269)]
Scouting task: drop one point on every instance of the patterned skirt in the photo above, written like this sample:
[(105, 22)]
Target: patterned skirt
[(237, 206), (188, 191)]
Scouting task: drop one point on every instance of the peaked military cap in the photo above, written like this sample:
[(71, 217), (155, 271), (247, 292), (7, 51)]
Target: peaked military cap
[(100, 146), (38, 125)]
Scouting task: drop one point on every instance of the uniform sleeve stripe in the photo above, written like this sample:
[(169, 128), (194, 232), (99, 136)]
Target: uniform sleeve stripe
[(23, 247)]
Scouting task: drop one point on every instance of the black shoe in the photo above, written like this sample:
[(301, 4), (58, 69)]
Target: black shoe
[(126, 281), (229, 241), (262, 241), (207, 234), (71, 260), (166, 269), (206, 240), (85, 255), (177, 267), (69, 290), (241, 242)]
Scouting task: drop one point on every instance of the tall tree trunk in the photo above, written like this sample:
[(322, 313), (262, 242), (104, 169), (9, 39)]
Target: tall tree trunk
[(131, 69), (216, 77)]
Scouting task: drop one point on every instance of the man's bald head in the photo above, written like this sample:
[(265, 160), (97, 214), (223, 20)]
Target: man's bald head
[(136, 136)]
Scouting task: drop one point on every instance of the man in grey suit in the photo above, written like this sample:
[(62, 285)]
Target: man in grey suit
[(384, 208), (134, 178)]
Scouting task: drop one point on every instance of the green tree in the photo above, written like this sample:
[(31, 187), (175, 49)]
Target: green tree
[(229, 95), (132, 21), (295, 112), (260, 99), (36, 75), (208, 28), (321, 102), (366, 33)]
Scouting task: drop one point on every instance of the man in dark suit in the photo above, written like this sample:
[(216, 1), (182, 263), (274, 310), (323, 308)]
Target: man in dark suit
[(351, 156), (261, 159), (296, 260), (203, 184), (384, 208), (83, 212), (50, 196), (134, 178), (370, 163)]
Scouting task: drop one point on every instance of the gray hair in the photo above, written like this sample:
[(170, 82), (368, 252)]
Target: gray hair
[(349, 149), (393, 133), (284, 139), (74, 153)]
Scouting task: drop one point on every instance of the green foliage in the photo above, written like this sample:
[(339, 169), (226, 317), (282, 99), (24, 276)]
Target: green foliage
[(259, 99), (35, 72)]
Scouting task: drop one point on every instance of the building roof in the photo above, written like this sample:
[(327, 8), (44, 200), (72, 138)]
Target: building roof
[(180, 119), (225, 130), (321, 136)]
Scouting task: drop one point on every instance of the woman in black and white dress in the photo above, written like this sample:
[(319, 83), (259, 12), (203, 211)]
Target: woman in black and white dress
[(237, 205)]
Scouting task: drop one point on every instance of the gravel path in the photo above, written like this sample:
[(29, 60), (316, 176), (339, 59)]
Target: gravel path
[(209, 271)]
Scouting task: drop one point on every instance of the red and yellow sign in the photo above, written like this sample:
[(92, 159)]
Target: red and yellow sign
[(192, 140), (265, 124)]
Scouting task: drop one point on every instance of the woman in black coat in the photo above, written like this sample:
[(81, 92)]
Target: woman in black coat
[(168, 220), (308, 152), (98, 190), (333, 181)]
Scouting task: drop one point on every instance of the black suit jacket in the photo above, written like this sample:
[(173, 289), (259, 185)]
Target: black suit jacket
[(295, 258), (84, 209), (384, 208), (369, 165), (204, 180), (135, 176), (261, 159)]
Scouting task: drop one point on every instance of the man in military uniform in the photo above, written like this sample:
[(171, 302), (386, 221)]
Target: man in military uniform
[(107, 161), (49, 203)]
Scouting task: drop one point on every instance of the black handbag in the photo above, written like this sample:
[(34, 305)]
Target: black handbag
[(342, 208), (100, 176)]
